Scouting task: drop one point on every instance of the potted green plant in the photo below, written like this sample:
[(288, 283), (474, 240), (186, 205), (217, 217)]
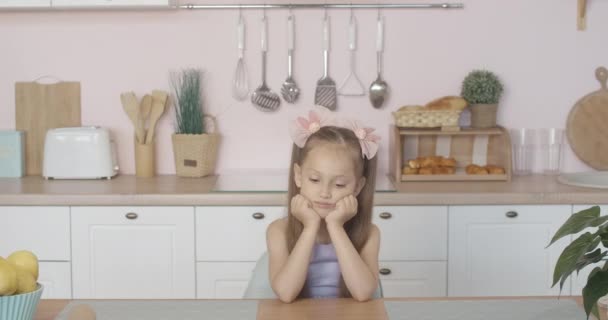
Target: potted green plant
[(482, 90), (588, 248), (194, 148)]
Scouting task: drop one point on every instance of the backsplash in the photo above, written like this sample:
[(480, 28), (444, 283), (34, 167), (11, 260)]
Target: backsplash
[(545, 64)]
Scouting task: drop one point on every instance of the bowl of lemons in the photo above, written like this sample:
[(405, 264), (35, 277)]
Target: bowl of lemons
[(19, 290)]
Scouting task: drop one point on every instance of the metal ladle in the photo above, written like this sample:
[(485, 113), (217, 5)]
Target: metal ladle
[(378, 90)]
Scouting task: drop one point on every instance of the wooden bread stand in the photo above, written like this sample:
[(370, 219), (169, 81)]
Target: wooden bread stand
[(462, 147)]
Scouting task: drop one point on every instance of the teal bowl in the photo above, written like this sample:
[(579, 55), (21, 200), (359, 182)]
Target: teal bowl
[(20, 306)]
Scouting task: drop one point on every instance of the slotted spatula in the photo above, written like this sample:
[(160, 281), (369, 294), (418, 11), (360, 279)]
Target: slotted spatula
[(262, 97), (131, 107), (325, 93), (159, 100)]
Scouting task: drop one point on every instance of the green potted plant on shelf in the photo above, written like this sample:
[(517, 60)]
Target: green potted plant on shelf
[(482, 90), (588, 249), (194, 143)]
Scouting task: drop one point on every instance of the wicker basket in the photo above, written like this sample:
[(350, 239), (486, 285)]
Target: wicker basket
[(195, 154), (413, 117)]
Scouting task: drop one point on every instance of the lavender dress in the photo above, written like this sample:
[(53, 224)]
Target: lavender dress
[(323, 278)]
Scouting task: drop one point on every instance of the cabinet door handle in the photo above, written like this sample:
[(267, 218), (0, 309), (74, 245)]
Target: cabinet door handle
[(385, 271), (131, 215), (386, 215), (258, 216), (511, 214)]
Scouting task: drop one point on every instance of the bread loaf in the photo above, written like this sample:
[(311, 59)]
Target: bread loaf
[(447, 103)]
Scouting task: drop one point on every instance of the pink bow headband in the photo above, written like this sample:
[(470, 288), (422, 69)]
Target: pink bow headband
[(302, 128)]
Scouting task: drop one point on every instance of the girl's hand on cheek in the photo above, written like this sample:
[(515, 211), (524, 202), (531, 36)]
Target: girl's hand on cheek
[(346, 209), (301, 208)]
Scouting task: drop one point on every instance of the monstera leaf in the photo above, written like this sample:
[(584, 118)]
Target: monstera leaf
[(584, 251), (597, 287), (579, 221), (570, 257)]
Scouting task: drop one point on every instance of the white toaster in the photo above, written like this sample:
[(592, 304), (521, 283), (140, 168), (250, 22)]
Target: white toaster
[(79, 153)]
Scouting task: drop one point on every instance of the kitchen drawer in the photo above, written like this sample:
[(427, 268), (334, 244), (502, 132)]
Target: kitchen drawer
[(133, 253), (233, 233), (412, 232), (45, 231), (56, 277), (502, 250), (222, 280), (413, 278)]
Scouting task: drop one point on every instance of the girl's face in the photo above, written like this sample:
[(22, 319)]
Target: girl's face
[(328, 174)]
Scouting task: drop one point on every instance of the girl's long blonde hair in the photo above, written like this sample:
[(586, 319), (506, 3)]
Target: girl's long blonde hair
[(357, 228)]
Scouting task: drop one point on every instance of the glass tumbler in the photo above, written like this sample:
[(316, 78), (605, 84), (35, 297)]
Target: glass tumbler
[(523, 143), (550, 142)]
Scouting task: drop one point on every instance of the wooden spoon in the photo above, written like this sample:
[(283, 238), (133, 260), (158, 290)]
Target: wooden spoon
[(144, 111), (159, 99), (131, 107), (82, 312)]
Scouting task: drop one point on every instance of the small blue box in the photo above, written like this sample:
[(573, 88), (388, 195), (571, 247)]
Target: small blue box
[(12, 154)]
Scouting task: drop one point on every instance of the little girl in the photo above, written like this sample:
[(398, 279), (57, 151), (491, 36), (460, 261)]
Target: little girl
[(327, 246)]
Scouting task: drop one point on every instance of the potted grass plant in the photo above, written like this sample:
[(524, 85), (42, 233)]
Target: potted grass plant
[(482, 90), (194, 147), (588, 249)]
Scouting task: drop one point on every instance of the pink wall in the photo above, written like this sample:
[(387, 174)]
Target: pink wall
[(545, 63)]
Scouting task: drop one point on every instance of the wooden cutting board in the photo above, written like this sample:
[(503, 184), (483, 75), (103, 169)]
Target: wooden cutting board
[(39, 107), (587, 125)]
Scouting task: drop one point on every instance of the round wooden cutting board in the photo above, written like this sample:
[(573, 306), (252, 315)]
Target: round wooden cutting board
[(587, 125)]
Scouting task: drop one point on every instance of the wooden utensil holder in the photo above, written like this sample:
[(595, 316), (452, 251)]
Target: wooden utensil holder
[(467, 146), (144, 160)]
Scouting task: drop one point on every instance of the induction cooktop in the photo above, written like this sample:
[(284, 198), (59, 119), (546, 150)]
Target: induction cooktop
[(274, 181)]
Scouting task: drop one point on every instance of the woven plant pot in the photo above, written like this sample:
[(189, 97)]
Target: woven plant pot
[(483, 115), (195, 154)]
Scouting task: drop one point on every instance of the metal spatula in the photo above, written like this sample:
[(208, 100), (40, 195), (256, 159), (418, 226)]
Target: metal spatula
[(262, 97), (325, 94)]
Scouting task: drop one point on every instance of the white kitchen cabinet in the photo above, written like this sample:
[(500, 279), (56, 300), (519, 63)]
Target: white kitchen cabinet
[(579, 281), (412, 232), (25, 4), (229, 240), (111, 3), (45, 231), (222, 280), (233, 233), (56, 278), (501, 250), (133, 252), (413, 278), (413, 250)]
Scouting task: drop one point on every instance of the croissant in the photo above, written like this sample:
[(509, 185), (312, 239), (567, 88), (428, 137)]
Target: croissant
[(426, 170), (409, 170), (492, 169), (475, 169), (444, 170)]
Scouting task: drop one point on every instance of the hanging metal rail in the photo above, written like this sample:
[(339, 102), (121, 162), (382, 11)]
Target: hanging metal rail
[(327, 6)]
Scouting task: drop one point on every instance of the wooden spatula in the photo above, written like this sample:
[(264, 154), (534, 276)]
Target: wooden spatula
[(82, 312), (145, 106), (131, 107), (159, 100)]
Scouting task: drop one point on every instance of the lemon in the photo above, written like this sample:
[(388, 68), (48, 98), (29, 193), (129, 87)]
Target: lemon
[(25, 260), (8, 278), (25, 281)]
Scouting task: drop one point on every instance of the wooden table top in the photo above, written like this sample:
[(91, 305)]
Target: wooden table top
[(318, 309)]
